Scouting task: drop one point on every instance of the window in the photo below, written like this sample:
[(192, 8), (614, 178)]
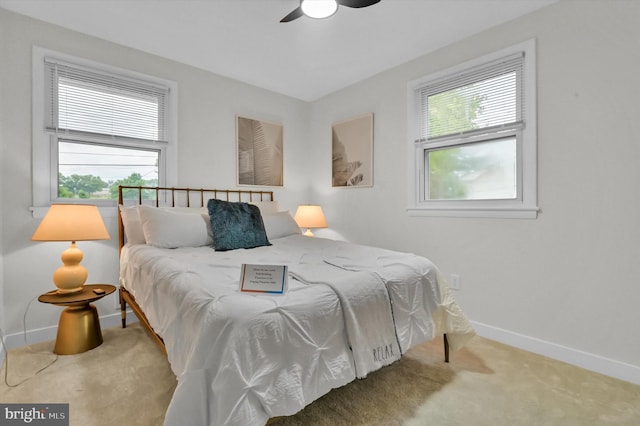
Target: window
[(96, 127), (473, 138)]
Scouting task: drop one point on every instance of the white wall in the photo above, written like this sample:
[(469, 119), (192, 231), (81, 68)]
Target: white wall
[(565, 284), (207, 105)]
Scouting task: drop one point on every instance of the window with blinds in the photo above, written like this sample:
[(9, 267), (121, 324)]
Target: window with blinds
[(84, 101), (487, 98), (101, 127), (474, 135)]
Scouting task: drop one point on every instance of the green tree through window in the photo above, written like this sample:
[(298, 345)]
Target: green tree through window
[(134, 179), (454, 109), (90, 186), (79, 186)]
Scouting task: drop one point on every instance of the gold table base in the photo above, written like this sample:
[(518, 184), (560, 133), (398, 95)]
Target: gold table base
[(79, 325), (78, 330)]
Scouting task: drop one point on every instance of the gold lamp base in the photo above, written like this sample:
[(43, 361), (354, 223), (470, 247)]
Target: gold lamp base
[(78, 330)]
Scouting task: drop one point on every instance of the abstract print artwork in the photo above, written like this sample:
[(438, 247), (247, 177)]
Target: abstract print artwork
[(352, 152), (259, 152)]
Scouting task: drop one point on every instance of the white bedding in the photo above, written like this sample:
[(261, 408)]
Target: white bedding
[(243, 358), (366, 307)]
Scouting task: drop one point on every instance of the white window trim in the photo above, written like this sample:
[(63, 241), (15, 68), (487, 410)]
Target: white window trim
[(44, 155), (523, 208)]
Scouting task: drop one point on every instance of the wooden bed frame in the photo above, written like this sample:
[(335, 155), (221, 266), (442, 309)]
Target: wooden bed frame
[(180, 197)]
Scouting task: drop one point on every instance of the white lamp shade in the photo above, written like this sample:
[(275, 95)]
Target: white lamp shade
[(71, 222), (310, 216)]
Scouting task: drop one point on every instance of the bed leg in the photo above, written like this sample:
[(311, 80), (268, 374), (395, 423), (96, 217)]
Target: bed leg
[(446, 348), (123, 310)]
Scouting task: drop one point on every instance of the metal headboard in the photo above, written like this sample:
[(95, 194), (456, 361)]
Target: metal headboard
[(181, 197)]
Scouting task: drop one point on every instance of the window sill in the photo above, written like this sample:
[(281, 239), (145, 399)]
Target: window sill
[(496, 213)]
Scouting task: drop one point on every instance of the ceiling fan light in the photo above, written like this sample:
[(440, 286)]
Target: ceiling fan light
[(319, 8)]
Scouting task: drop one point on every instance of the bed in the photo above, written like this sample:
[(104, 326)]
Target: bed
[(243, 358)]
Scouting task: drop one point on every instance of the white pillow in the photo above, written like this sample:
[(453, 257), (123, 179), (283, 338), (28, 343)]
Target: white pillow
[(132, 225), (280, 224), (172, 228), (190, 210), (266, 207), (203, 211)]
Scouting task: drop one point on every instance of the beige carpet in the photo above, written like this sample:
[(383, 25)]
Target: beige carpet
[(127, 381)]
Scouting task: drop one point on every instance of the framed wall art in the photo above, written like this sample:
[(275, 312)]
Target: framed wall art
[(259, 147), (352, 152)]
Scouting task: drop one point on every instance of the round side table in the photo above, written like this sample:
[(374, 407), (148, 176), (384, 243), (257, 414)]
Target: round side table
[(79, 325)]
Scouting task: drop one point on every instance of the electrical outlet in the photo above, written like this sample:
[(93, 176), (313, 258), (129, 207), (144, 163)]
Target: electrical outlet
[(455, 281)]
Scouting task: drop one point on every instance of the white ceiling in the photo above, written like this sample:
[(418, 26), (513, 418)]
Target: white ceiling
[(305, 58)]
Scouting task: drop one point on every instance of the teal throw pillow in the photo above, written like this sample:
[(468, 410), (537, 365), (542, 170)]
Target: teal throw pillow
[(236, 225)]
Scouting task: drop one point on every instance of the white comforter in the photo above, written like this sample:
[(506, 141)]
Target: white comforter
[(242, 358)]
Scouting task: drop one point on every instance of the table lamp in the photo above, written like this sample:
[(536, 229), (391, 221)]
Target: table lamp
[(71, 222), (310, 216)]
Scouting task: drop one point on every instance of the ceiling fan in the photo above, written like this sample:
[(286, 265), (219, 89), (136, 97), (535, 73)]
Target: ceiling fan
[(324, 8)]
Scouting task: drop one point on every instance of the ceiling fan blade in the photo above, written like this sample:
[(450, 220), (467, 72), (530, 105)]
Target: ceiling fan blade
[(297, 12), (357, 3)]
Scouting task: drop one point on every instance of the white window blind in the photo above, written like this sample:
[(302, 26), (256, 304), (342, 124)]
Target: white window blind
[(474, 101), (103, 105)]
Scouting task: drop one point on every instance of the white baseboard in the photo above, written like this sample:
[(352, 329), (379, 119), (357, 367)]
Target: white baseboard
[(49, 333), (588, 361)]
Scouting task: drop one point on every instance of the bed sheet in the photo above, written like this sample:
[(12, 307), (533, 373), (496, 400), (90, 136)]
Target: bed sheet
[(243, 358)]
